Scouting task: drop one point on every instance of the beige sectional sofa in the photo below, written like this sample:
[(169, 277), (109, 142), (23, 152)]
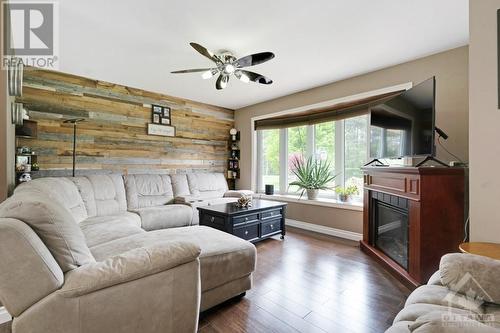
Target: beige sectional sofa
[(106, 253), (463, 296)]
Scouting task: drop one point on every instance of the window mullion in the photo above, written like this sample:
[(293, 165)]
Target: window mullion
[(310, 141), (260, 162), (283, 160), (339, 152)]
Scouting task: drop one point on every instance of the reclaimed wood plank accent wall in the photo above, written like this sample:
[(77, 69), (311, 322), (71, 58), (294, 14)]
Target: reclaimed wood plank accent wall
[(114, 135)]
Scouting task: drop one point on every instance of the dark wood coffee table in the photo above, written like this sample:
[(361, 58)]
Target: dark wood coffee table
[(264, 219)]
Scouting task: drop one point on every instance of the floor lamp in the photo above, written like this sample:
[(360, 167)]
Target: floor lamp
[(74, 122)]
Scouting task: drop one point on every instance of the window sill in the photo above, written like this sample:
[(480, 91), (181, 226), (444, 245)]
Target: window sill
[(325, 202)]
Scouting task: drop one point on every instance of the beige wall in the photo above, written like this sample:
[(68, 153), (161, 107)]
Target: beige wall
[(451, 71), (484, 124), (344, 219), (7, 140)]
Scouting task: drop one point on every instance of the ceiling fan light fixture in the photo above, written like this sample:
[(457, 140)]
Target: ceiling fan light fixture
[(244, 78), (227, 65), (229, 69), (209, 74), (224, 81)]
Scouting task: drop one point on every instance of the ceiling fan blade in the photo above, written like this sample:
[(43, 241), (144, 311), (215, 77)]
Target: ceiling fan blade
[(254, 59), (222, 81), (246, 76), (204, 52), (191, 70)]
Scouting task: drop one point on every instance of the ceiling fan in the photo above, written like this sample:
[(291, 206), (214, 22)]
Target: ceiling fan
[(226, 64)]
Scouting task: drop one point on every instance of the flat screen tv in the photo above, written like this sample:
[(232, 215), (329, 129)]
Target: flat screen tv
[(404, 125)]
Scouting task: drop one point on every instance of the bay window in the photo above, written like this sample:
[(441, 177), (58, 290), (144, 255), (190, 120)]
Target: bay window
[(343, 143)]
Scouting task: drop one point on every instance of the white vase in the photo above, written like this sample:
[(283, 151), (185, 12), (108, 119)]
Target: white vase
[(312, 194)]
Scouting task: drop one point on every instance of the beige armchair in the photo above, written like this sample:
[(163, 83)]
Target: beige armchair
[(148, 289)]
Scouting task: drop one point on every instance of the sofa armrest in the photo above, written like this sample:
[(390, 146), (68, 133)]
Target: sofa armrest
[(238, 194), (471, 275), (129, 266)]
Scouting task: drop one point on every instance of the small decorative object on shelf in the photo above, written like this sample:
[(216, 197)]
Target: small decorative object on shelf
[(233, 164), (26, 163), (269, 189), (244, 201), (345, 194), (25, 177), (233, 132)]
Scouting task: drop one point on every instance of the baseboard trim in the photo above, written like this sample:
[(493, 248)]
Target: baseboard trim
[(324, 230), (4, 315)]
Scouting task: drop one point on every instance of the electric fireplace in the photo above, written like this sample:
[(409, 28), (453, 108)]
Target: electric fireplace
[(411, 217), (390, 219)]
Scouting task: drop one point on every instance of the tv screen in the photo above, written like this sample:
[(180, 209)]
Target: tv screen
[(404, 125)]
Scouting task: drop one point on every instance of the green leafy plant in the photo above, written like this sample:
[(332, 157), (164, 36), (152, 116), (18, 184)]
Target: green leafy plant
[(312, 174), (345, 192)]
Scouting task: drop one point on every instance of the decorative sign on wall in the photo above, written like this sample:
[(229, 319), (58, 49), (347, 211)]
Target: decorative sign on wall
[(162, 123), (162, 130)]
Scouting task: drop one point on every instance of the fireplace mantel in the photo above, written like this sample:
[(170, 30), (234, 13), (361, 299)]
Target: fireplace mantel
[(436, 214)]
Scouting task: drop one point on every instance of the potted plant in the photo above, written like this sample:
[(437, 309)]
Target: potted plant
[(344, 193), (312, 175)]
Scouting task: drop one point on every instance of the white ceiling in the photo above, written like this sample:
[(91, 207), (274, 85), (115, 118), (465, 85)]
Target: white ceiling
[(138, 43)]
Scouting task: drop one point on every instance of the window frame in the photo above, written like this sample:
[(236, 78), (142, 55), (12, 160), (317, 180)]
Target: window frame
[(339, 140)]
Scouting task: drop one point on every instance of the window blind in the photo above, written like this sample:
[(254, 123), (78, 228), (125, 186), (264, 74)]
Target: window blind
[(320, 115)]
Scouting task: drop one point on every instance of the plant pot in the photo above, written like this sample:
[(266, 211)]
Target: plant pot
[(312, 194), (343, 197)]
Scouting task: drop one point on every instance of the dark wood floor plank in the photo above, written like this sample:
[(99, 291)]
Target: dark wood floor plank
[(312, 283)]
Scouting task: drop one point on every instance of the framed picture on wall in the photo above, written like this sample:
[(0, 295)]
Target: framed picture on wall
[(166, 112), (161, 115)]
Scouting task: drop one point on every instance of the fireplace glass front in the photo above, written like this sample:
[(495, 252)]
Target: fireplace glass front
[(391, 230)]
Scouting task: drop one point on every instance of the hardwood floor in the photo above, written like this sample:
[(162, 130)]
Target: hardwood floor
[(311, 283)]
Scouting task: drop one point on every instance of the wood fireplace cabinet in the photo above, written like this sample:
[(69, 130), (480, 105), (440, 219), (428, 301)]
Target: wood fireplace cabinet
[(411, 217)]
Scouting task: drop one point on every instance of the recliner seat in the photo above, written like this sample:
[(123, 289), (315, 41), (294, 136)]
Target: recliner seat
[(112, 223)]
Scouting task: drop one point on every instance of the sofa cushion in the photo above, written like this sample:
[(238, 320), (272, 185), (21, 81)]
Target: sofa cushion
[(148, 190), (439, 295), (223, 258), (109, 194), (180, 185), (413, 311), (400, 327), (60, 189), (102, 229), (86, 190), (470, 274), (53, 224), (207, 182), (129, 217), (435, 279), (24, 255), (163, 217)]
